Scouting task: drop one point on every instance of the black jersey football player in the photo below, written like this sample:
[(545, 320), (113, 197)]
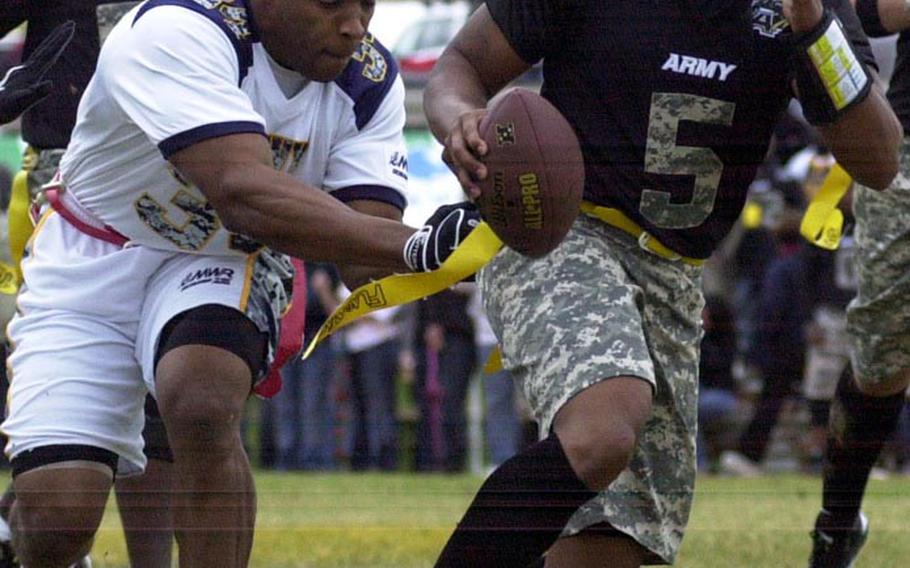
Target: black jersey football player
[(674, 103), (871, 392)]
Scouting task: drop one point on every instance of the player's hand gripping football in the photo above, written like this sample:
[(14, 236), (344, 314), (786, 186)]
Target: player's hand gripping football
[(464, 148), (433, 243), (803, 15), (22, 86)]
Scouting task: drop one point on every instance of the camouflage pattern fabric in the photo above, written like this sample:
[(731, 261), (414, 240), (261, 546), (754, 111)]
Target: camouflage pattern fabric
[(597, 307), (878, 319), (41, 166), (109, 14), (270, 296)]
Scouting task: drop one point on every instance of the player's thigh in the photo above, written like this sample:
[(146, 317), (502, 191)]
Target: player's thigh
[(567, 320), (596, 308), (74, 381), (209, 330), (592, 549), (877, 318)]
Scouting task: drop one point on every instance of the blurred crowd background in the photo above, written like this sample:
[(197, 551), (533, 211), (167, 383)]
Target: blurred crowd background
[(404, 389)]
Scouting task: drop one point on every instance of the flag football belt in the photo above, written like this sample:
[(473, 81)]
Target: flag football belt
[(480, 246), (823, 221), (64, 203), (477, 249), (647, 241)]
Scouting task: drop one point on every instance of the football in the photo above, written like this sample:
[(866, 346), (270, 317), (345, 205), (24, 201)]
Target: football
[(535, 173)]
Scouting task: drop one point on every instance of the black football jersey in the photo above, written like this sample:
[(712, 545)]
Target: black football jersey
[(48, 124), (674, 101)]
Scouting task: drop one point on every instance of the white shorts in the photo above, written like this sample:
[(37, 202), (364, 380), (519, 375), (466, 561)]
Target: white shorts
[(85, 337)]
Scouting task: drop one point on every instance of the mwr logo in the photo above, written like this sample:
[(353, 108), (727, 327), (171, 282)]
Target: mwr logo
[(214, 275), (698, 67), (505, 134), (768, 17), (399, 163)]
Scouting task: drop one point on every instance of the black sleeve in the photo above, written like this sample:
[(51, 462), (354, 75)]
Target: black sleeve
[(867, 10), (854, 31), (529, 25), (12, 13)]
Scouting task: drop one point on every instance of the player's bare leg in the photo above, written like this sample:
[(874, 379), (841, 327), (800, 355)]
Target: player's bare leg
[(587, 550), (595, 434), (57, 511), (599, 428), (144, 502), (201, 392)]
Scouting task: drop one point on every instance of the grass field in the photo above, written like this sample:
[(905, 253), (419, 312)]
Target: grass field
[(400, 520)]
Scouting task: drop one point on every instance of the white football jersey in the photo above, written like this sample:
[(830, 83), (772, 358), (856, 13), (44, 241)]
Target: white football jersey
[(175, 72)]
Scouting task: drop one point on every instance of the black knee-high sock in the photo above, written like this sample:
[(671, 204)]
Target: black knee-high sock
[(519, 511), (858, 427)]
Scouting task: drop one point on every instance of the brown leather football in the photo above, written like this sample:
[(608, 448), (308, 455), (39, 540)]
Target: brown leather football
[(535, 172)]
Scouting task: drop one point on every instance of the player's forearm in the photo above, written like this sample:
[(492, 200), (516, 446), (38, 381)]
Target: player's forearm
[(305, 222), (453, 89), (865, 141)]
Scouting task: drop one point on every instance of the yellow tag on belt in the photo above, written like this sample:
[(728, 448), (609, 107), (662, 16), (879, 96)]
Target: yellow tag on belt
[(9, 282), (476, 250), (823, 222)]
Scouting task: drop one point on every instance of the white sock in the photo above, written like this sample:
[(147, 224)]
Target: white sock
[(4, 530)]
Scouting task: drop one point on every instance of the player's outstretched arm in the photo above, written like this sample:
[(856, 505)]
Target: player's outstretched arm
[(474, 67), (855, 119), (236, 175)]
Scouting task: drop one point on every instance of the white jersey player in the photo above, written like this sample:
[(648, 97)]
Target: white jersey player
[(344, 136), (210, 126)]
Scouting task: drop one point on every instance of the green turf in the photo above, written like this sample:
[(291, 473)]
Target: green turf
[(403, 520)]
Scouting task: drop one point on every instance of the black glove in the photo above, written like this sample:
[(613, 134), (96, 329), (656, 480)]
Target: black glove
[(430, 246), (22, 86)]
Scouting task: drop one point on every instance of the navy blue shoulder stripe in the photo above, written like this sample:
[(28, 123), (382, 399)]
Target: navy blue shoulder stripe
[(371, 192), (368, 78), (233, 17), (187, 138)]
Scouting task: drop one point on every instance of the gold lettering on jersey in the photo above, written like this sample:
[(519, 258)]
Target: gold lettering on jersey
[(375, 66), (286, 152), (233, 16), (196, 230), (531, 210)]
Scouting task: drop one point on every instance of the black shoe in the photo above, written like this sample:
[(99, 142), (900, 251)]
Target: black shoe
[(835, 547), (7, 556)]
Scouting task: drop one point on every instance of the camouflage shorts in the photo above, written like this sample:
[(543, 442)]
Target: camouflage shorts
[(599, 307), (40, 165), (878, 319)]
